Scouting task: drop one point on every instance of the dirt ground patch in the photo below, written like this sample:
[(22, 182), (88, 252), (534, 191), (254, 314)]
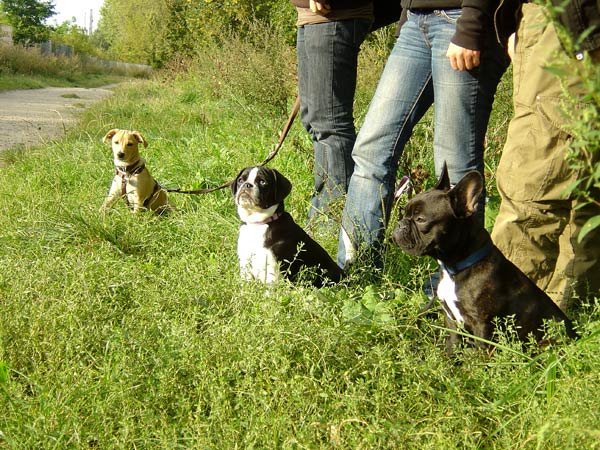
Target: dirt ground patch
[(32, 117)]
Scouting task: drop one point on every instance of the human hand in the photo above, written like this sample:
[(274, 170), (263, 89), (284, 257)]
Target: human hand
[(462, 58), (320, 7)]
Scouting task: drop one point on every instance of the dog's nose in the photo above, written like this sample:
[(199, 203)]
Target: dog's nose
[(399, 232), (120, 155)]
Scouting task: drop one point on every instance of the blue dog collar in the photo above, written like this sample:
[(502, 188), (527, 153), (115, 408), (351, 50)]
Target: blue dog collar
[(469, 261)]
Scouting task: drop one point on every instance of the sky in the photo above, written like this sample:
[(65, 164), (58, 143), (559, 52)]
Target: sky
[(80, 9)]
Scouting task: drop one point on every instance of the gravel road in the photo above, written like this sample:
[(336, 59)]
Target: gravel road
[(31, 117)]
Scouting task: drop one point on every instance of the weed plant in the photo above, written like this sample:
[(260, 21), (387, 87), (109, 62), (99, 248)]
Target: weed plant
[(131, 331)]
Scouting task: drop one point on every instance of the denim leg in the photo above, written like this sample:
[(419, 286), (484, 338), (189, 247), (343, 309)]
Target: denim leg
[(327, 65), (463, 102), (403, 95), (416, 72)]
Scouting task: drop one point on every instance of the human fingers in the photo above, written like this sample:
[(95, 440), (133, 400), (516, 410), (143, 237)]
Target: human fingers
[(511, 46), (463, 58), (320, 7)]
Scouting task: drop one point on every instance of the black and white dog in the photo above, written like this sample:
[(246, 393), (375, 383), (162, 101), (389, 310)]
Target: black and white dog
[(478, 283), (270, 243)]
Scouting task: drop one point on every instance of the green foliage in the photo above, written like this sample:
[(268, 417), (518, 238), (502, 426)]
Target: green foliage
[(584, 155), (583, 111), (26, 68), (268, 81), (71, 34), (133, 30), (124, 330), (27, 18), (157, 32), (372, 309)]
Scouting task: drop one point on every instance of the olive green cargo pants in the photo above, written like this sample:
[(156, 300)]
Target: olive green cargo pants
[(537, 225)]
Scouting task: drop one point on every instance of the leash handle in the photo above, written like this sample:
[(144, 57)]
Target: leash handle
[(282, 136)]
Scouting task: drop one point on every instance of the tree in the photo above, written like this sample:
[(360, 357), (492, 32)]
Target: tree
[(27, 18), (131, 29), (69, 33), (154, 32)]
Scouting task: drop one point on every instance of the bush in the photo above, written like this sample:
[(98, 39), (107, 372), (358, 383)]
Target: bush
[(583, 113), (257, 68)]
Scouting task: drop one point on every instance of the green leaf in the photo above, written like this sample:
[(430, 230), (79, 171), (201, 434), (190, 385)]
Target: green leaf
[(551, 375), (569, 189), (371, 309), (3, 372), (590, 225), (556, 71)]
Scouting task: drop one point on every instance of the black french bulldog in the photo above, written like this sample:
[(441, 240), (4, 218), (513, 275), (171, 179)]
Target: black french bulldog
[(270, 243), (478, 283)]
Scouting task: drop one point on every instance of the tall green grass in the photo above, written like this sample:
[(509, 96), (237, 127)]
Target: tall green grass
[(27, 68), (131, 331)]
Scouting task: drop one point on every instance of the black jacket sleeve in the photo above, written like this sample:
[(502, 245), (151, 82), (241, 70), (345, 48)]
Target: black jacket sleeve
[(475, 22)]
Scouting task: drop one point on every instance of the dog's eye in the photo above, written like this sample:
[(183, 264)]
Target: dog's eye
[(129, 144), (262, 183), (420, 219)]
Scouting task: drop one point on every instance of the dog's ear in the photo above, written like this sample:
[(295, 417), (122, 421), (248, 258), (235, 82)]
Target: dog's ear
[(465, 195), (283, 185), (108, 136), (443, 183), (140, 138)]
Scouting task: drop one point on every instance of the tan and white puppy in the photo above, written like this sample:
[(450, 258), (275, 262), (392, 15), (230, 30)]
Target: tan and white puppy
[(132, 180)]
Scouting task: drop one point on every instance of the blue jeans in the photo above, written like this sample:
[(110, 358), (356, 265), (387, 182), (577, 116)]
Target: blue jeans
[(417, 72), (327, 62)]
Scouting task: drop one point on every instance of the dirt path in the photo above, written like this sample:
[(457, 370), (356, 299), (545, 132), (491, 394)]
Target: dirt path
[(31, 117)]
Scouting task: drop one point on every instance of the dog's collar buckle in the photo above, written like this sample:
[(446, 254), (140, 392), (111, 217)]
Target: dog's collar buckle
[(469, 261)]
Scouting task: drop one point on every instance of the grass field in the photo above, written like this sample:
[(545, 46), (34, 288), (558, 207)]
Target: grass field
[(123, 331)]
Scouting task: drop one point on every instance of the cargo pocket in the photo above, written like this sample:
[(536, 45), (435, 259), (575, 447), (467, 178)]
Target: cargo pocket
[(533, 165)]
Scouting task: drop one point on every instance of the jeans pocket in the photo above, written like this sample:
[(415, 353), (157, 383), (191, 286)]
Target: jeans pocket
[(449, 15)]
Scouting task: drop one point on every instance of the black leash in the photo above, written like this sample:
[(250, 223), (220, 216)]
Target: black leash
[(282, 136)]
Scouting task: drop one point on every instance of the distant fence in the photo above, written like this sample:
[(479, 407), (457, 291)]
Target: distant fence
[(142, 69), (5, 34), (53, 48)]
